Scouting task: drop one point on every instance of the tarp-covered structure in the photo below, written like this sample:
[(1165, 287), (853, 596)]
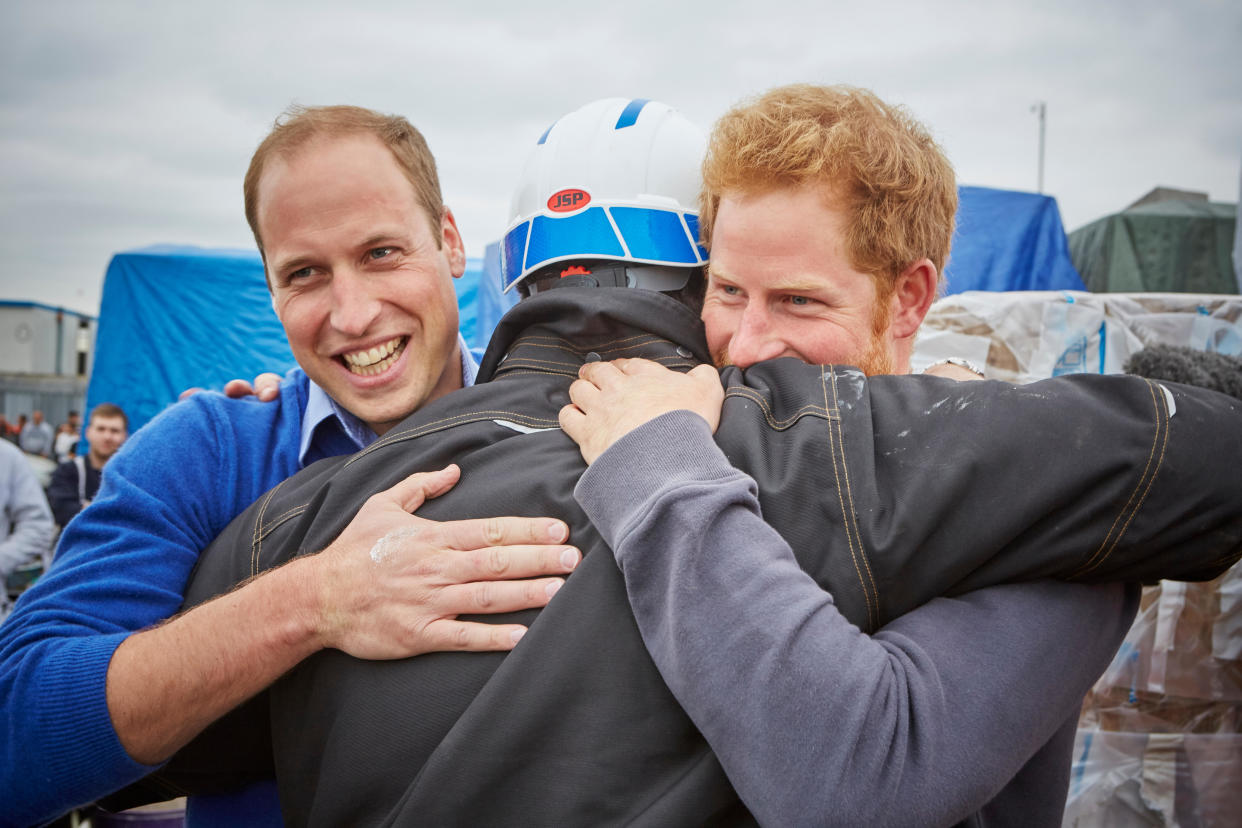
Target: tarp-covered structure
[(1008, 240), (1181, 246), (176, 317)]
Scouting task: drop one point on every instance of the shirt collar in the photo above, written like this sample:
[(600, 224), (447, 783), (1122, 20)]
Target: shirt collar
[(321, 408)]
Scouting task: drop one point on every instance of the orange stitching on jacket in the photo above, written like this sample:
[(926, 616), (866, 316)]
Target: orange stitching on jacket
[(1162, 422), (565, 344), (525, 360), (850, 492), (529, 362), (283, 519), (781, 425), (1090, 563), (276, 521), (256, 537), (1228, 559), (456, 419), (451, 422), (613, 347), (520, 369), (846, 517)]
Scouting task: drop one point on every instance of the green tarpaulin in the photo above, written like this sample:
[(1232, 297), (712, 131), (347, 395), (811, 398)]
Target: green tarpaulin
[(1168, 246)]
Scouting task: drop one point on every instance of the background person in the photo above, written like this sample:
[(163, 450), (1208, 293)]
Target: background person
[(66, 442), (36, 436), (75, 482), (67, 437), (15, 429), (26, 528)]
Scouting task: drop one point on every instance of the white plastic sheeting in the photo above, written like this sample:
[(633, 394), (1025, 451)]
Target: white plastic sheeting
[(1022, 336)]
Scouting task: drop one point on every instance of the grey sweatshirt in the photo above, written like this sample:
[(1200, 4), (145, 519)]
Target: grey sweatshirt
[(962, 710)]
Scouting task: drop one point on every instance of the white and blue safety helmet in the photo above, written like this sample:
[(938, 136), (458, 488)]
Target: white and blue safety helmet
[(617, 180)]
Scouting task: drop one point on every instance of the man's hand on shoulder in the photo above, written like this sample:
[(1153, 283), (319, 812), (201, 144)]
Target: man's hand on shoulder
[(393, 584), (265, 387), (611, 399)]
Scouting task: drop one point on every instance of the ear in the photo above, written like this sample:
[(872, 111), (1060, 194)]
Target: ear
[(913, 294), (454, 247)]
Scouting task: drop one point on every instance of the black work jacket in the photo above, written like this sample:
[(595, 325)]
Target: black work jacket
[(891, 491)]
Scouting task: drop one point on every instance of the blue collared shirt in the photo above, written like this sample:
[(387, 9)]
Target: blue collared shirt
[(328, 430)]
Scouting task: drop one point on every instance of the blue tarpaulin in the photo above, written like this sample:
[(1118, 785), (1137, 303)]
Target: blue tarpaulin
[(1009, 240), (175, 317)]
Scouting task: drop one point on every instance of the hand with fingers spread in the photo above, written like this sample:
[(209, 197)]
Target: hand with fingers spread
[(392, 584), (611, 399)]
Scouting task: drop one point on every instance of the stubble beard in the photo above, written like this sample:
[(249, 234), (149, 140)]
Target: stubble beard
[(878, 358)]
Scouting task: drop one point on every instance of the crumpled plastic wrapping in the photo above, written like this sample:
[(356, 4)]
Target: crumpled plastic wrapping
[(1160, 738), (1023, 336), (1121, 780), (1179, 669)]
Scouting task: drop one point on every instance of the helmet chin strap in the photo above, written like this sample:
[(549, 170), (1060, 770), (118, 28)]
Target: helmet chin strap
[(608, 274)]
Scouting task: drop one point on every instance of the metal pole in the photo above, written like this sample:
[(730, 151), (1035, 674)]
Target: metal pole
[(1041, 108), (60, 341)]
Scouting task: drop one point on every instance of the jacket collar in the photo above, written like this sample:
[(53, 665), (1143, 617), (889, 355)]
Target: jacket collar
[(558, 330)]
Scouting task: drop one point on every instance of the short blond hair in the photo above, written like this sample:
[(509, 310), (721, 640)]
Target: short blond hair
[(874, 160), (299, 125)]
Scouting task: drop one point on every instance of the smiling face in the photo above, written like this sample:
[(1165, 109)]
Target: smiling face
[(361, 277), (780, 284)]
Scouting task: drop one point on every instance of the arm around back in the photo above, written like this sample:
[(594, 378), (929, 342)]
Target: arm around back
[(1085, 477), (921, 723)]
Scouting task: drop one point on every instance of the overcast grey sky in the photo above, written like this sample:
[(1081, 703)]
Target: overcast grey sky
[(124, 124)]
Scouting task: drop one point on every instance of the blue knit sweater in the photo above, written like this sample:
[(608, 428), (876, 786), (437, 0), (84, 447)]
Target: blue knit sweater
[(122, 565)]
